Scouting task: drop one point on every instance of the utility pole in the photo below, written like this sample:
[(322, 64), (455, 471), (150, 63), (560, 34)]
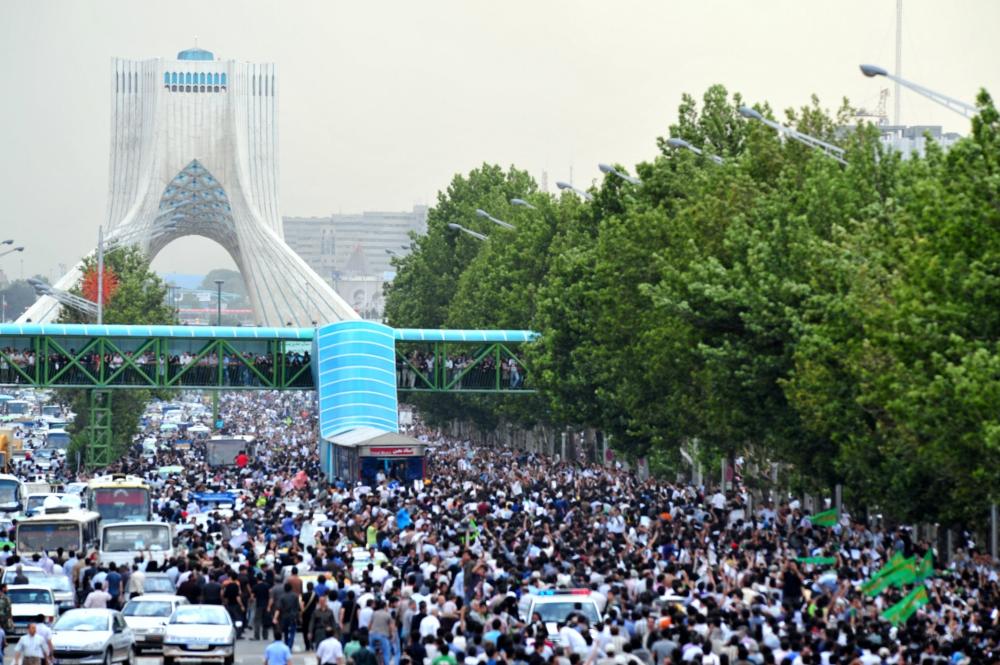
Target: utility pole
[(100, 275), (899, 59)]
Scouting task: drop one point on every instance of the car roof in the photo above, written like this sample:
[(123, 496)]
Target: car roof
[(159, 597), (90, 610), (24, 569), (27, 587)]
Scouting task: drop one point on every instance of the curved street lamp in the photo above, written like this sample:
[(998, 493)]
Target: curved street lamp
[(459, 227), (950, 103), (522, 203), (829, 149), (681, 144), (586, 196), (482, 213), (607, 168)]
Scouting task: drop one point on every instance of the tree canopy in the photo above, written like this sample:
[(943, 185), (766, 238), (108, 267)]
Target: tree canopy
[(836, 319), (139, 298)]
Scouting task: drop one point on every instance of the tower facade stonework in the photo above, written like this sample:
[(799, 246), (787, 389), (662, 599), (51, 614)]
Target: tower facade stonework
[(194, 151)]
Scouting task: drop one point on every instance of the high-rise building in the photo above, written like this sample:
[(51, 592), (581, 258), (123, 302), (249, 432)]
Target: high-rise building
[(194, 151), (354, 252)]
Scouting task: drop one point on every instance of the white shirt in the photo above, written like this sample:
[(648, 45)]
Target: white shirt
[(573, 639), (429, 626), (330, 651)]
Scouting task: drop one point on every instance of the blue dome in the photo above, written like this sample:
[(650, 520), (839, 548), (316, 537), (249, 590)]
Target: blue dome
[(195, 54)]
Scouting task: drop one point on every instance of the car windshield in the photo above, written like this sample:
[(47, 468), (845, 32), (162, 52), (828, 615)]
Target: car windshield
[(32, 596), (201, 614), (54, 582), (158, 585), (557, 612), (147, 608), (130, 538), (84, 621)]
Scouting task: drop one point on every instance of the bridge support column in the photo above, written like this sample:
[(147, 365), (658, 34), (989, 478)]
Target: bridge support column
[(100, 447)]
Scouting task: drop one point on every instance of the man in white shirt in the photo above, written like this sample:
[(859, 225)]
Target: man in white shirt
[(98, 598), (429, 625), (32, 648), (330, 652)]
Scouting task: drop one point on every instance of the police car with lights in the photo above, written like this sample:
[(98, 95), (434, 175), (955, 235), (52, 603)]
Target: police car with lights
[(555, 606)]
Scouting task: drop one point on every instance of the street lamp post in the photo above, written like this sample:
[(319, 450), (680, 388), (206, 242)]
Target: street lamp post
[(684, 145), (482, 213), (835, 152), (950, 103), (218, 301), (607, 168), (474, 234), (587, 196), (11, 251), (522, 203)]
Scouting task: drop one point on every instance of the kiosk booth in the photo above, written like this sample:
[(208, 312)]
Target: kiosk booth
[(360, 454)]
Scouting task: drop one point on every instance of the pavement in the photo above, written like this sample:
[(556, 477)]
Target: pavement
[(248, 652)]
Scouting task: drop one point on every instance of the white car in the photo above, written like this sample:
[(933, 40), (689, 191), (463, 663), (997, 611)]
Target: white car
[(60, 585), (28, 602), (92, 636), (147, 616), (199, 633), (553, 606)]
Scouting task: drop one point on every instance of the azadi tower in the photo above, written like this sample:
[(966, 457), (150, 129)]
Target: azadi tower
[(194, 151)]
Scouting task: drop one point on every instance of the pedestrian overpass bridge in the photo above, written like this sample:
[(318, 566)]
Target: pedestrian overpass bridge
[(357, 368)]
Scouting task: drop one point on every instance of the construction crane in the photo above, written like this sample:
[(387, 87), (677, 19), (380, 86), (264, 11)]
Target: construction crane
[(879, 112)]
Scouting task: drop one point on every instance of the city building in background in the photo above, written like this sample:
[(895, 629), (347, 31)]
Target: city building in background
[(353, 252), (912, 140), (194, 151)]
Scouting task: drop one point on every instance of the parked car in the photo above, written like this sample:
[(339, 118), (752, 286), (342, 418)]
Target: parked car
[(92, 636), (204, 633), (147, 615)]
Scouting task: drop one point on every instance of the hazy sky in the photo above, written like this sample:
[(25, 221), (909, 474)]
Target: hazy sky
[(380, 103)]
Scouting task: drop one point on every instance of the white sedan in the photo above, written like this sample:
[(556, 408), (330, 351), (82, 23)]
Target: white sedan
[(147, 616), (199, 633), (91, 636)]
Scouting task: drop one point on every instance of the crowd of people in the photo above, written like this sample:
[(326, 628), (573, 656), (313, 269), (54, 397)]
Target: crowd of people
[(685, 574)]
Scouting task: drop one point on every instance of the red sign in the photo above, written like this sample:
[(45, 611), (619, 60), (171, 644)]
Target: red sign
[(105, 497), (399, 451)]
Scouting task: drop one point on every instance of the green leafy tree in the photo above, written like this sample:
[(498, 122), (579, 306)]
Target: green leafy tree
[(140, 299)]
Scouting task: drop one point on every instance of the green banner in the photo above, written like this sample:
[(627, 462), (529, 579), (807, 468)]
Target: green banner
[(826, 518), (904, 609), (818, 560)]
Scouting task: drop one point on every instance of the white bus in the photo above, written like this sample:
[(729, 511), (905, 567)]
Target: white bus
[(121, 543), (12, 494), (120, 498), (72, 530)]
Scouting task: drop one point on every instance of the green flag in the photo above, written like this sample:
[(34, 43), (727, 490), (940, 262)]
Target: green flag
[(885, 577), (925, 569), (471, 532), (904, 609), (818, 560), (826, 518)]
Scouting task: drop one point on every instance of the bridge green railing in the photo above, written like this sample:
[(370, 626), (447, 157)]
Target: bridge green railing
[(222, 358)]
